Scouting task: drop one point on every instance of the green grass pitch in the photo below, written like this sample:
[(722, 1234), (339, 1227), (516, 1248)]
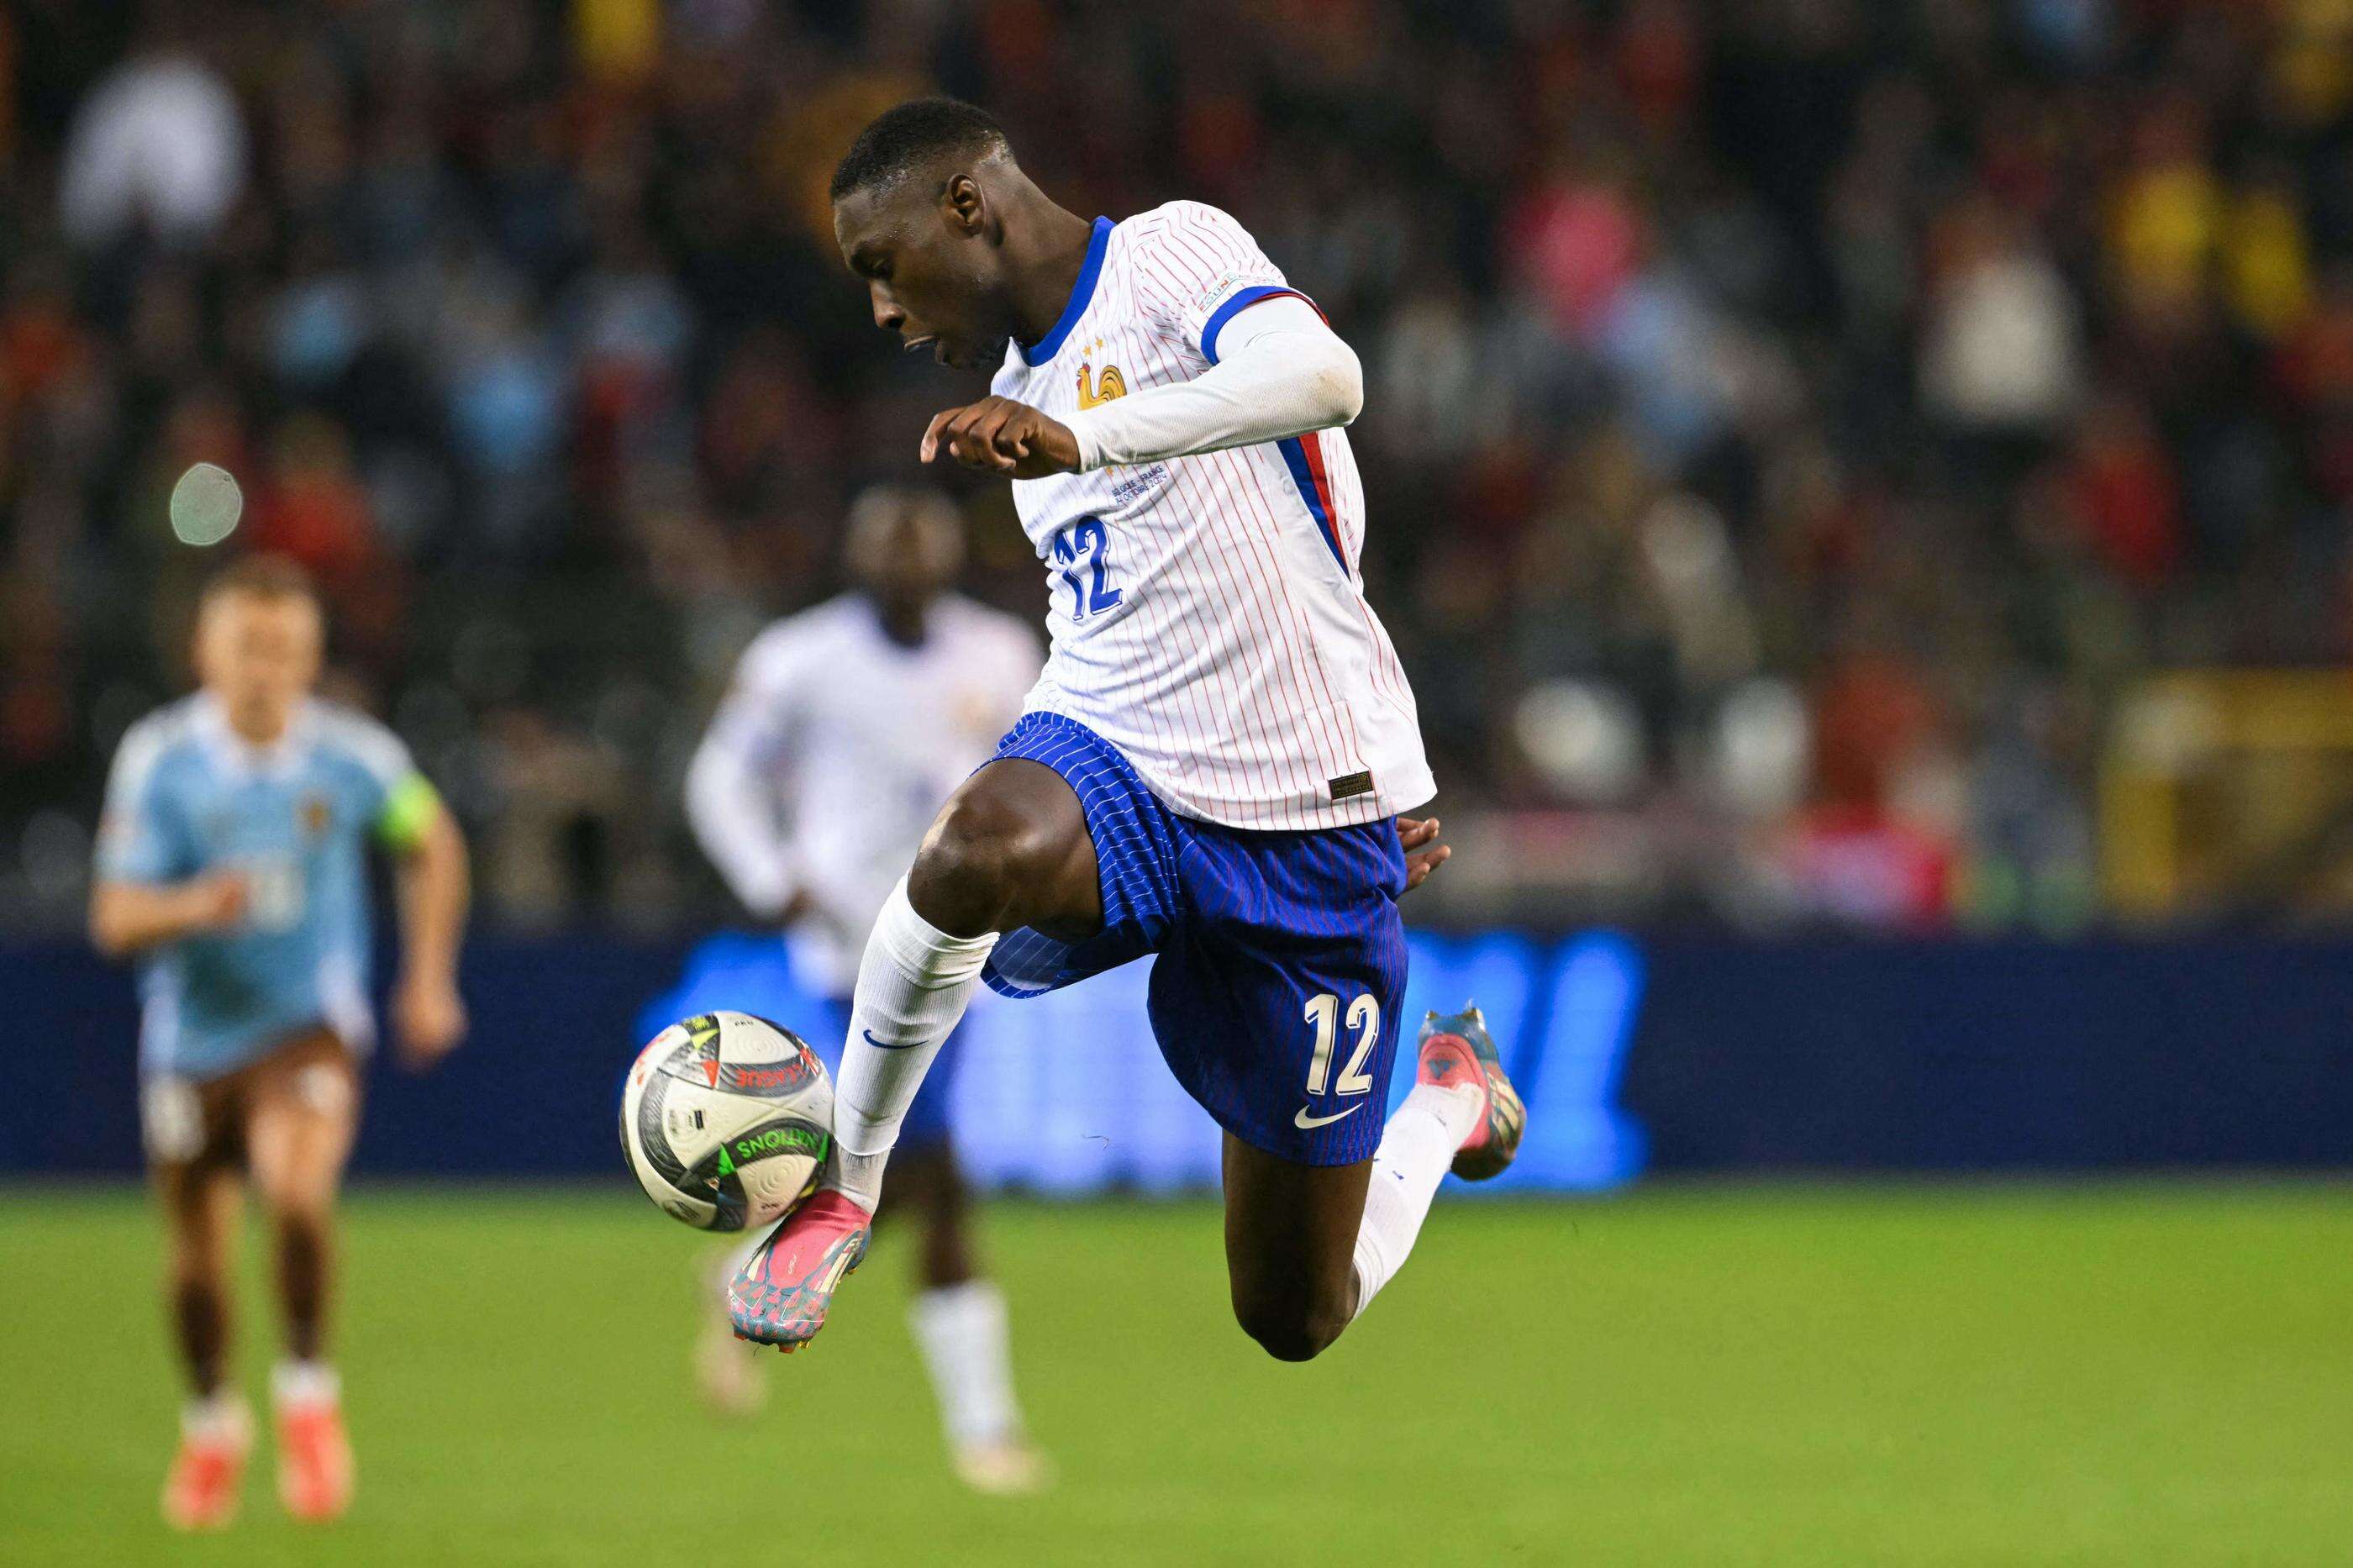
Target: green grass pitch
[(1966, 1376)]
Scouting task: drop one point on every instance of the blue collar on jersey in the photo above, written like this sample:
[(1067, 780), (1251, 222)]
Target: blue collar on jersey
[(1082, 293)]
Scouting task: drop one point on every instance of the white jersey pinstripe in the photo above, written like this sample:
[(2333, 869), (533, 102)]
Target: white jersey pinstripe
[(1207, 616)]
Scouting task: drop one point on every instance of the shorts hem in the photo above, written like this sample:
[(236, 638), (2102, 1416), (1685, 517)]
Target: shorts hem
[(267, 1047), (1252, 1137)]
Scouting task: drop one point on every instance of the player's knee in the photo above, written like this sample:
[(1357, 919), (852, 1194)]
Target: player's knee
[(303, 1222), (974, 866), (196, 1265), (1290, 1328), (298, 1207)]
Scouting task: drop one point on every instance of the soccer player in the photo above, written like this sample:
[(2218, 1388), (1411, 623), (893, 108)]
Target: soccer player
[(1213, 766), (844, 729), (232, 861)]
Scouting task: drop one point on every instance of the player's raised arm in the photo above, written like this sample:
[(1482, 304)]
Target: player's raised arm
[(1280, 371), (434, 888)]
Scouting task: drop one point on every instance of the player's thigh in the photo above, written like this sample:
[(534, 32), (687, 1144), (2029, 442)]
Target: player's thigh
[(192, 1133), (1011, 849), (1290, 1243), (300, 1125)]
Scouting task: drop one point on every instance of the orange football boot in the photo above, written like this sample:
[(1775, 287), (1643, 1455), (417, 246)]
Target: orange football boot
[(314, 1460), (207, 1475)]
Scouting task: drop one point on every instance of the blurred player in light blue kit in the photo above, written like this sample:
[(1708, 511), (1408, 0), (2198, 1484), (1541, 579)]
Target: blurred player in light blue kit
[(844, 729), (232, 861)]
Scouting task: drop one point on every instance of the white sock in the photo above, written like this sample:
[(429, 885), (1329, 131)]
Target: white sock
[(220, 1417), (304, 1383), (1417, 1146), (913, 985), (961, 1331)]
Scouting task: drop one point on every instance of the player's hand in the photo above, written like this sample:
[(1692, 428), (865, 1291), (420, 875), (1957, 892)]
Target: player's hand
[(1423, 852), (218, 901), (431, 1017), (999, 436)]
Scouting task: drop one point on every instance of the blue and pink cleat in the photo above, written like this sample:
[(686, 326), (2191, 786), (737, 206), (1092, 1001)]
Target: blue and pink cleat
[(1457, 1051), (779, 1295)]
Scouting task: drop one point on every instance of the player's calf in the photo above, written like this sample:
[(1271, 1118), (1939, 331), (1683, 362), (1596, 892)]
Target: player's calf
[(1463, 1114), (298, 1132), (1011, 849), (200, 1319), (305, 1259), (200, 1209)]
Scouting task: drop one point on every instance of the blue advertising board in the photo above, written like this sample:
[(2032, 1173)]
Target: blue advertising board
[(1635, 1054)]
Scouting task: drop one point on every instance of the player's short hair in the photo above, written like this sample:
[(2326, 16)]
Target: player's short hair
[(901, 140), (261, 576)]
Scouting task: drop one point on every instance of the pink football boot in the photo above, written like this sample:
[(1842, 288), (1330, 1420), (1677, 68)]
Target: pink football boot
[(1457, 1050), (779, 1295)]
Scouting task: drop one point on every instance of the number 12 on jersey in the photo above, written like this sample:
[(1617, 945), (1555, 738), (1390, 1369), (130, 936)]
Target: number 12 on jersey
[(1087, 541)]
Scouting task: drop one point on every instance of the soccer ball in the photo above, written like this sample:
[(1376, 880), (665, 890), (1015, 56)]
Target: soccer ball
[(727, 1119)]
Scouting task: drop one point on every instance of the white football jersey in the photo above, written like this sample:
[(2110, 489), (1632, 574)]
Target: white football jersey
[(1207, 617), (833, 751)]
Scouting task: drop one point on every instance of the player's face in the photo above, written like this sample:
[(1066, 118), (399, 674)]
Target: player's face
[(905, 557), (930, 272), (259, 655)]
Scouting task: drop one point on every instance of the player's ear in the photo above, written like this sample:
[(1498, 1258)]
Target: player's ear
[(961, 206)]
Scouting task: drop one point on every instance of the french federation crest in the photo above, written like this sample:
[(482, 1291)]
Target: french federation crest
[(1101, 390)]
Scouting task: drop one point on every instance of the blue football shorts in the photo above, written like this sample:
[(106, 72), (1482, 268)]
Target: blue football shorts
[(1278, 978)]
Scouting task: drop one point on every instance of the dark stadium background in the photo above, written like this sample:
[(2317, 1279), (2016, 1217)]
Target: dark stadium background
[(1864, 492)]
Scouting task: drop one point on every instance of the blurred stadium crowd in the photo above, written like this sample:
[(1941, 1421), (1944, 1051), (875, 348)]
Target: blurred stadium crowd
[(1790, 424)]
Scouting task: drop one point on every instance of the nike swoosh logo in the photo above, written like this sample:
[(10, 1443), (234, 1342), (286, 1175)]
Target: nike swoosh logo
[(887, 1045), (1306, 1122)]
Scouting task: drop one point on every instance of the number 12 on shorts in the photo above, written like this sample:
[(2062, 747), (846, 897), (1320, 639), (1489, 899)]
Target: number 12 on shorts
[(1365, 1017)]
